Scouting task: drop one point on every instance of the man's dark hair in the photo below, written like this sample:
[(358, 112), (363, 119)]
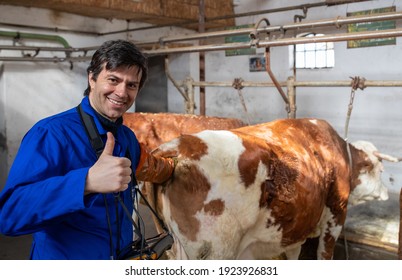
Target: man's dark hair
[(115, 54)]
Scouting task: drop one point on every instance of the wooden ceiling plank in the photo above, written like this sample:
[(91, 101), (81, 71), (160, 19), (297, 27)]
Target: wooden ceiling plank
[(150, 11)]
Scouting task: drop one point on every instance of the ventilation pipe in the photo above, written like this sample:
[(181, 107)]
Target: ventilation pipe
[(32, 36)]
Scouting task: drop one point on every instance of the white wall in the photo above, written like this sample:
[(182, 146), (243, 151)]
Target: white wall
[(31, 91)]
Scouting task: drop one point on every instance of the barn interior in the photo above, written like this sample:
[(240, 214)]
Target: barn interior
[(253, 60)]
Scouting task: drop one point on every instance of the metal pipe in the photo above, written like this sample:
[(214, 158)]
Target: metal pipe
[(51, 29), (201, 29), (400, 227), (292, 98), (190, 105), (44, 59), (68, 51), (176, 84), (49, 49), (45, 37), (294, 26), (347, 83), (284, 42), (274, 80), (339, 21), (334, 38)]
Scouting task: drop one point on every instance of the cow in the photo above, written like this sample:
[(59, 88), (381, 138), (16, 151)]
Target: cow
[(261, 191)]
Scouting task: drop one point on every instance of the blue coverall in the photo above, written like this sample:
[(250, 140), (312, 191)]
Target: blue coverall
[(44, 192)]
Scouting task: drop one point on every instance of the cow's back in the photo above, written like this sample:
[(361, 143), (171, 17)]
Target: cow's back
[(153, 129)]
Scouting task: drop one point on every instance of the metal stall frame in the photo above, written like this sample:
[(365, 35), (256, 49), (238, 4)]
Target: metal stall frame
[(189, 84)]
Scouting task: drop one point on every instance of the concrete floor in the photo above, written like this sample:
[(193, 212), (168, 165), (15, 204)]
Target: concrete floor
[(382, 214), (17, 248)]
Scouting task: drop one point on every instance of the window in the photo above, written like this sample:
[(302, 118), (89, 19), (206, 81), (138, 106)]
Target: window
[(315, 55)]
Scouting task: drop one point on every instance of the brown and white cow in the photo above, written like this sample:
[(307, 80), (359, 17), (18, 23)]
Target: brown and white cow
[(263, 190)]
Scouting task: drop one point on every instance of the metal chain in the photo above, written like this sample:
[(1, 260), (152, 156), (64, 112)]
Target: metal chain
[(238, 84), (357, 82)]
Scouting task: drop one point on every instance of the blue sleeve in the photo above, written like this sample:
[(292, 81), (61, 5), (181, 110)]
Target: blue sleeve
[(40, 190), (134, 146)]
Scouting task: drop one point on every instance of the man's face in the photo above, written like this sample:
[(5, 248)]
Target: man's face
[(114, 92)]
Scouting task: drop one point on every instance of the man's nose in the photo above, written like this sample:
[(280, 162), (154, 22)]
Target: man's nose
[(121, 90)]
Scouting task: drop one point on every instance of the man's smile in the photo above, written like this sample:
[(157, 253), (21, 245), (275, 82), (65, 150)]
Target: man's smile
[(115, 102)]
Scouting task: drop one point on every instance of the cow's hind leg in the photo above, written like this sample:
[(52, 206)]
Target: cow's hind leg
[(329, 234), (334, 215)]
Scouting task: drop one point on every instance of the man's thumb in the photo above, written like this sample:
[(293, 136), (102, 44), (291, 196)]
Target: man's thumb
[(109, 146)]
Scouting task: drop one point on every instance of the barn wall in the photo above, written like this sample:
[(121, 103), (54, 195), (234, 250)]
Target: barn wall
[(376, 114)]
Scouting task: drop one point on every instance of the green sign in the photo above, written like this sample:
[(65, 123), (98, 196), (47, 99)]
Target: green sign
[(237, 39), (372, 26)]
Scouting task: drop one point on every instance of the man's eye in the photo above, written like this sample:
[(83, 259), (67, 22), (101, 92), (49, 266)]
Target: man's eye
[(132, 86), (112, 80)]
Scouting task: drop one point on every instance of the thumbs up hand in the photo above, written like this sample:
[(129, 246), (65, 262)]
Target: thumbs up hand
[(109, 173), (109, 146)]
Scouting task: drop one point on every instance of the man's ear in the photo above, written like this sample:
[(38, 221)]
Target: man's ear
[(91, 81)]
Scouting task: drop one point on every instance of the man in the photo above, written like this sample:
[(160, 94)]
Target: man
[(59, 190)]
